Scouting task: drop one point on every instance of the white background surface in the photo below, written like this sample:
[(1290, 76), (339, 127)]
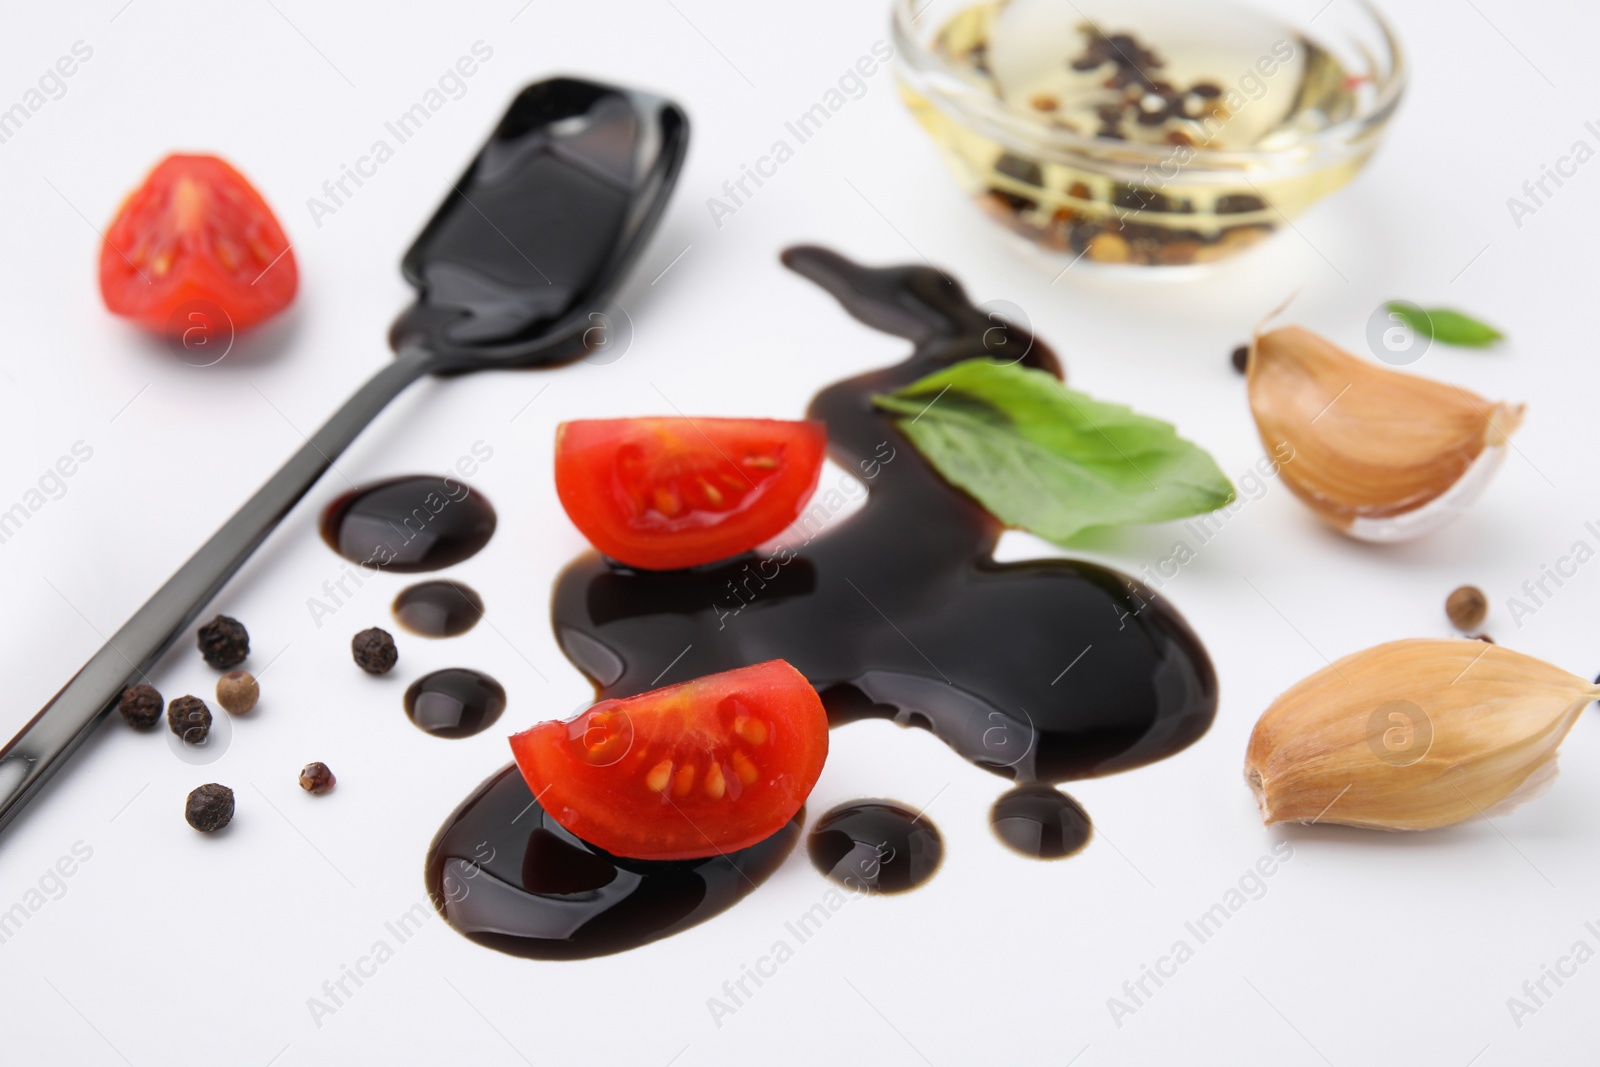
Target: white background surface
[(168, 947)]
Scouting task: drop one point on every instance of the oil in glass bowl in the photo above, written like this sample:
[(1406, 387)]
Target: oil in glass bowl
[(1152, 132)]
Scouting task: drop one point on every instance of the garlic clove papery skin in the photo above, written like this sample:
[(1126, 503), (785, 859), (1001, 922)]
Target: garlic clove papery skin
[(1376, 453), (1436, 513), (1412, 735)]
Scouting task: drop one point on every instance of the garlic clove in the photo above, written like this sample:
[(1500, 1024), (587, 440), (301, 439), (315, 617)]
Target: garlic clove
[(1379, 454), (1412, 735)]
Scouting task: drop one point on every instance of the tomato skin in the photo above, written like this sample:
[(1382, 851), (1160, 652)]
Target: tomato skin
[(665, 493), (686, 771), (196, 230)]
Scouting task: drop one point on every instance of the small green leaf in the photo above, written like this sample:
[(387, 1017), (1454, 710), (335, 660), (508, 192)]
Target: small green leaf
[(1051, 460), (1450, 327)]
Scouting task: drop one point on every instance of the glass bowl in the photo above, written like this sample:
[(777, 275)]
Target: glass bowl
[(1178, 172)]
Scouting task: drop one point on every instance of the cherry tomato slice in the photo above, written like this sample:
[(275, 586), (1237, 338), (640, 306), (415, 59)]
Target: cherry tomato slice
[(689, 770), (663, 493), (196, 233)]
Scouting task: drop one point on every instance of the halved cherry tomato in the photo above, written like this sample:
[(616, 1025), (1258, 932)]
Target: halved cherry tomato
[(689, 770), (196, 232), (664, 493)]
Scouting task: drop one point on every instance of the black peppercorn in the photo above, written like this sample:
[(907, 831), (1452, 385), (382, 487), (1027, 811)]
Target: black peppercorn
[(1241, 358), (374, 651), (209, 808), (316, 778), (224, 642), (141, 705), (190, 719)]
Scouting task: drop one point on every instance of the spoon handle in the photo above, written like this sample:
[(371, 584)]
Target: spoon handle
[(43, 745)]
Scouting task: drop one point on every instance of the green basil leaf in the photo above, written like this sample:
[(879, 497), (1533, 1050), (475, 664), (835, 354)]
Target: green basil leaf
[(1048, 459), (1450, 327)]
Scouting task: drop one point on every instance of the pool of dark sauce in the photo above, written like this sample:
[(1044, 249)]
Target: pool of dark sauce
[(1040, 821), (1039, 671), (440, 608), (510, 877), (1044, 670), (455, 702), (419, 522), (875, 846)]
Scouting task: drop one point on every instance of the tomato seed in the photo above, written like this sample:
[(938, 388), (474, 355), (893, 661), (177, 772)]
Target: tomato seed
[(656, 780), (744, 769)]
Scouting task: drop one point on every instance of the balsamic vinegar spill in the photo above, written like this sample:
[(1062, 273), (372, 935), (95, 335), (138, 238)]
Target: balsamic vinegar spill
[(1040, 671), (1045, 670), (455, 702), (510, 877), (440, 608), (1040, 821), (875, 846), (419, 522)]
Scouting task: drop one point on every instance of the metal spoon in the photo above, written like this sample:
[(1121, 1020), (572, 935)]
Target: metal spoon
[(532, 242)]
